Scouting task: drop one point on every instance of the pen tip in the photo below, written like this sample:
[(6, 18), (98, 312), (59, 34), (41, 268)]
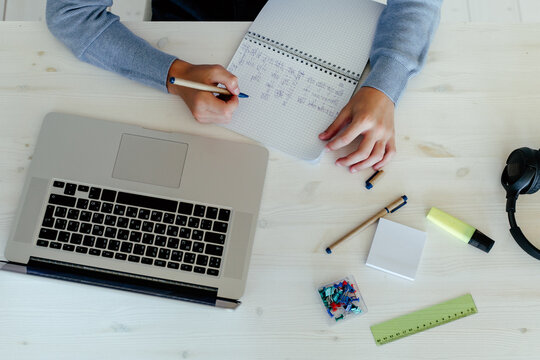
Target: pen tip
[(328, 251), (242, 95), (405, 197), (171, 80)]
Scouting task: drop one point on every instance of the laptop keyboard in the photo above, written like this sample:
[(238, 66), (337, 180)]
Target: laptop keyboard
[(125, 226)]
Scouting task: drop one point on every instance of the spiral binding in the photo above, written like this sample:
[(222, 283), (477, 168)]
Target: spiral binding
[(302, 57)]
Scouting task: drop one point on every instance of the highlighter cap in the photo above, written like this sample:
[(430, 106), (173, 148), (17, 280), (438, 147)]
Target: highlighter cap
[(480, 241)]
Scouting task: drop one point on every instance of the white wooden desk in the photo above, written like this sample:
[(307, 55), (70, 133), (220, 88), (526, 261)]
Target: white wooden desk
[(477, 100)]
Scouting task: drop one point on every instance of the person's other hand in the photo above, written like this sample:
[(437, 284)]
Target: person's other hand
[(369, 113), (205, 106)]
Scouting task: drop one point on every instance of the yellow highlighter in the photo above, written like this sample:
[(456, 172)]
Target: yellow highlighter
[(461, 230)]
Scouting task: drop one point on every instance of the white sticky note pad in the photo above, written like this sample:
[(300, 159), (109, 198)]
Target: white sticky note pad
[(396, 249)]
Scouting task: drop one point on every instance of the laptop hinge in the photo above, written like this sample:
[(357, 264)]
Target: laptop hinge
[(126, 281)]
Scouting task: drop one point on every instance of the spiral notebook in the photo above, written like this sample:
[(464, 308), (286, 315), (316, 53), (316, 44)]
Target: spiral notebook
[(300, 63)]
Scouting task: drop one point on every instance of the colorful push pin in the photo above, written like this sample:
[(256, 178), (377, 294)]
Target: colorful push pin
[(373, 179)]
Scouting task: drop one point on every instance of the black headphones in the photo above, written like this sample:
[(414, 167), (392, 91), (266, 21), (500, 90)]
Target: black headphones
[(521, 175)]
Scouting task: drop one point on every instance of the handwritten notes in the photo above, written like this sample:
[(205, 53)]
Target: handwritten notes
[(291, 99)]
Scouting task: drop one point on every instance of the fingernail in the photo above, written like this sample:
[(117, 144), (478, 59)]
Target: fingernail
[(353, 170), (236, 91)]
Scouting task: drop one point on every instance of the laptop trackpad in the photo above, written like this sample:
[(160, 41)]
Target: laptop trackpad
[(150, 161)]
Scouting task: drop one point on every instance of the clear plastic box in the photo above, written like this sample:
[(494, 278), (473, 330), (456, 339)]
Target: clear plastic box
[(341, 299)]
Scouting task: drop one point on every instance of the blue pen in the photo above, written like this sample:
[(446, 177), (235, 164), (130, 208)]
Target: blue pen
[(203, 87)]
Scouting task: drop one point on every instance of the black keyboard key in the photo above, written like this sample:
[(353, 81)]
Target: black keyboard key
[(173, 265), (176, 255), (186, 267), (156, 216), (94, 193), (135, 236), (214, 250), (160, 228), (202, 260), (214, 262), (135, 224), (139, 249), (147, 226), (63, 236), (224, 214), (131, 211), (185, 208), (220, 226), (98, 230), (63, 200), (114, 245), (60, 211), (126, 247), (172, 230), (148, 239), (164, 253), (151, 251), (185, 233), (160, 240), (76, 239), (85, 228), (94, 205), (198, 247), (55, 245), (189, 258), (212, 272), (193, 222), (101, 243), (134, 258), (168, 218), (119, 210), (122, 234), (122, 222), (199, 210), (82, 204), (197, 235), (110, 232), (70, 189), (110, 220), (185, 245), (49, 211), (48, 222), (83, 188), (147, 261), (146, 201), (68, 247), (211, 212), (60, 224), (58, 184), (108, 195), (144, 214), (173, 243), (214, 238), (206, 224), (98, 218), (73, 214), (48, 234), (85, 216), (107, 254), (42, 242), (159, 263), (89, 240), (120, 256), (107, 208), (94, 252), (81, 249), (199, 270), (181, 220)]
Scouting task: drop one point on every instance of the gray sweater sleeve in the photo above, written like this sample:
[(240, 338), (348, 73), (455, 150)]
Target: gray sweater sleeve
[(96, 36), (401, 43)]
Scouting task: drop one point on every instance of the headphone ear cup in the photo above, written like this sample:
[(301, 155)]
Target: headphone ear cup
[(520, 173), (535, 186)]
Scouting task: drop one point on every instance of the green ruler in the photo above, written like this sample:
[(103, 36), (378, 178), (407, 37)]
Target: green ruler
[(424, 319)]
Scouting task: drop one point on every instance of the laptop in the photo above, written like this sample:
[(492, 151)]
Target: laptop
[(130, 208)]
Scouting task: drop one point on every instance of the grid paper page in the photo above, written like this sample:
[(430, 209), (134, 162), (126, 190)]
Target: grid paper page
[(300, 63), (290, 102)]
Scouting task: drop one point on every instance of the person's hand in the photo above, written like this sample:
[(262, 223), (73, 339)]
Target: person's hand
[(369, 113), (205, 106)]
